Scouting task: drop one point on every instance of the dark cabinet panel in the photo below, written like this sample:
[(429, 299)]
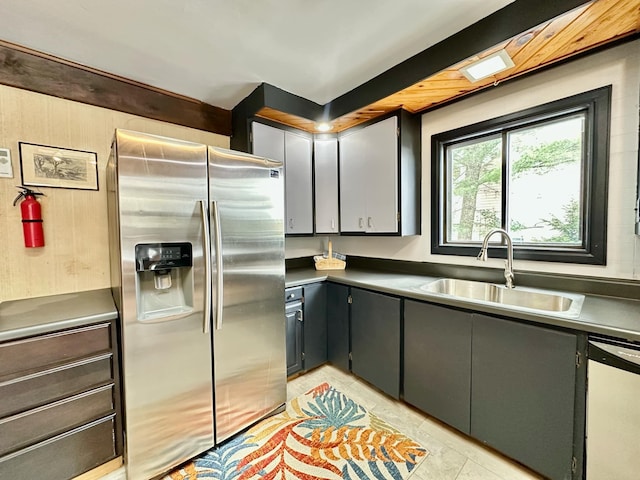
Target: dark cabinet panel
[(437, 362), (83, 448), (37, 352), (523, 393), (293, 314), (38, 424), (315, 325), (338, 346), (49, 385), (375, 339), (59, 403)]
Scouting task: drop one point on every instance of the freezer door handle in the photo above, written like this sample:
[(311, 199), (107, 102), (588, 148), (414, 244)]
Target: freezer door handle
[(207, 266), (219, 277)]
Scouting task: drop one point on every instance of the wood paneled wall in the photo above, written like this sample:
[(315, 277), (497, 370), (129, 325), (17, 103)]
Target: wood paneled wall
[(76, 254)]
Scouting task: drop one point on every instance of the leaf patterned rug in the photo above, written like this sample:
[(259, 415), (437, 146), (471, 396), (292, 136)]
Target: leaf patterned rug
[(322, 435)]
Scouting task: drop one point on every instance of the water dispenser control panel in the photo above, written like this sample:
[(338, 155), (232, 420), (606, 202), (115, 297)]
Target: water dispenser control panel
[(163, 256)]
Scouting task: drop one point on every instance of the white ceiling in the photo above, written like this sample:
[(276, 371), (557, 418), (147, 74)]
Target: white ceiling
[(218, 51)]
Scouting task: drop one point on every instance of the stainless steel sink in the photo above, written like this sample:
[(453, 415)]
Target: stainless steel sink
[(519, 298)]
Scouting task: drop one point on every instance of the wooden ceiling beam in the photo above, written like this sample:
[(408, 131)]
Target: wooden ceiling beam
[(41, 73), (504, 24)]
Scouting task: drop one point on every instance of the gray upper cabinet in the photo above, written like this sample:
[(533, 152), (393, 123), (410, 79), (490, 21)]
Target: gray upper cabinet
[(267, 141), (380, 177), (295, 150), (369, 178), (326, 185)]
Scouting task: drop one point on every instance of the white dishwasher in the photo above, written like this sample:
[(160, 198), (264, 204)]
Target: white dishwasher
[(613, 410)]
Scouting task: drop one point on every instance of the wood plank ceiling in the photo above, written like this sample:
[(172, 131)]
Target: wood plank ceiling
[(584, 28)]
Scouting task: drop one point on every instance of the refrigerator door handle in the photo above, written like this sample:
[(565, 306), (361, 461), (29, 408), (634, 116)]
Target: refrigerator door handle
[(219, 276), (207, 266)]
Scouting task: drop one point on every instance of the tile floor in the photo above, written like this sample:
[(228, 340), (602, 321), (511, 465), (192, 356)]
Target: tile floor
[(452, 456)]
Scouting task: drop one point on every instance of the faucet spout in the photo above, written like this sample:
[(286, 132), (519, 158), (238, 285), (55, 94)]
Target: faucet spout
[(508, 270)]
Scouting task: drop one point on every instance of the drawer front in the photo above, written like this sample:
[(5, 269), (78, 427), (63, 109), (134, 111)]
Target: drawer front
[(65, 456), (291, 294), (25, 393), (37, 352), (36, 425)]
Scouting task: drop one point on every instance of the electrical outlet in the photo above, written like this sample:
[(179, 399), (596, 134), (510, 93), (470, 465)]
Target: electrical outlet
[(6, 170)]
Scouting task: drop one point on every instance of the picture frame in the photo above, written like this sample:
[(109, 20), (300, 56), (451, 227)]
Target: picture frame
[(56, 167)]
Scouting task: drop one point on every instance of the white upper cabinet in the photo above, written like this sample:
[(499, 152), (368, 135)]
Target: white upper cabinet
[(326, 185), (369, 178), (298, 181), (267, 141), (380, 177), (296, 153)]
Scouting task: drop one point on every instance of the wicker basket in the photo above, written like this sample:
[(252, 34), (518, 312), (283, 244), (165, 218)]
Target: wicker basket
[(330, 263)]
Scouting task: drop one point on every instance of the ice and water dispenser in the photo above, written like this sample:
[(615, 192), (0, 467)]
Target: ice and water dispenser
[(164, 280)]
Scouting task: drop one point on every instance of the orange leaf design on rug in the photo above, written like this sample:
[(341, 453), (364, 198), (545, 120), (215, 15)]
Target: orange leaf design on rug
[(363, 443), (189, 470), (275, 450), (322, 435), (319, 390)]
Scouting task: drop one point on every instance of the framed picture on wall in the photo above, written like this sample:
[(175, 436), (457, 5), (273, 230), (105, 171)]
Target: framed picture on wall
[(45, 166)]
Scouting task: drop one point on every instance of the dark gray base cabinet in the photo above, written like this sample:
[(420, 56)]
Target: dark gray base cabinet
[(513, 386), (437, 362), (375, 339), (315, 326), (338, 345), (306, 327), (294, 318), (523, 396)]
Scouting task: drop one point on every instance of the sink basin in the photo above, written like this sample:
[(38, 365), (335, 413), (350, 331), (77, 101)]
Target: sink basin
[(519, 298)]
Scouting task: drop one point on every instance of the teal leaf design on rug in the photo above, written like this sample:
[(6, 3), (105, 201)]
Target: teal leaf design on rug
[(332, 409), (222, 463), (323, 434)]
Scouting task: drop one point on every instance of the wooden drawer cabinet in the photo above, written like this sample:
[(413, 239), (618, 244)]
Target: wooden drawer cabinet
[(64, 456), (19, 431), (36, 352), (59, 403), (23, 393)]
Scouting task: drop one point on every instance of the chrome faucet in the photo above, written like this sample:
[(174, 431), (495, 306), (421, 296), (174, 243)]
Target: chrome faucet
[(508, 264)]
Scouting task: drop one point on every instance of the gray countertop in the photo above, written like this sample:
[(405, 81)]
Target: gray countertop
[(35, 316), (616, 317)]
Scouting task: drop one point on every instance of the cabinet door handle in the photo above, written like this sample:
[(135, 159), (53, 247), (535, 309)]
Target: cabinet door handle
[(291, 223), (369, 222), (291, 295), (333, 224), (360, 222), (299, 315)]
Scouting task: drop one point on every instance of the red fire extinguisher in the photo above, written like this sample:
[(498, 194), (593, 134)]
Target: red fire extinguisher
[(31, 218)]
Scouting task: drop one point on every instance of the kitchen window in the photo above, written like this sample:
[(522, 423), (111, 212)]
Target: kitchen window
[(541, 174)]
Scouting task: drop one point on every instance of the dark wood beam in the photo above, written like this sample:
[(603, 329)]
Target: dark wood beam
[(43, 74)]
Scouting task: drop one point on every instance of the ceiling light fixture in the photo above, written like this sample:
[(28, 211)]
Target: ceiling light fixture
[(487, 66), (324, 127)]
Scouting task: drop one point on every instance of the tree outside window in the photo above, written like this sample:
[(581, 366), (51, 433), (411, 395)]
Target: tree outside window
[(531, 173)]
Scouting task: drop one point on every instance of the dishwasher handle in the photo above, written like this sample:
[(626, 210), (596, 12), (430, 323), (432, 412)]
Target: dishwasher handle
[(616, 354)]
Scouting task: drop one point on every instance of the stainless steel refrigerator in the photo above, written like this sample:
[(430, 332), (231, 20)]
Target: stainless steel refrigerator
[(197, 272)]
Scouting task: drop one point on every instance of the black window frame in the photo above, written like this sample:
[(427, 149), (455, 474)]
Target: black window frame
[(597, 106)]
